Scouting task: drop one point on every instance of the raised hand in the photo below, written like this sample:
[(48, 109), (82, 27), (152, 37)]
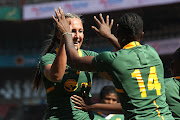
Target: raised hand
[(62, 24), (104, 27), (80, 103)]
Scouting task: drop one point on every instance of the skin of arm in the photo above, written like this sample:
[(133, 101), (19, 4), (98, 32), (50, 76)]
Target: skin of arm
[(55, 72), (81, 63), (105, 30), (97, 107)]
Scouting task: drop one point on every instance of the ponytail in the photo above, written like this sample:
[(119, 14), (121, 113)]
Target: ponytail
[(38, 76)]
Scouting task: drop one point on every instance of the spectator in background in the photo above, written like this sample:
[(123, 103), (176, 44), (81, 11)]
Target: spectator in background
[(136, 70), (108, 95), (60, 80), (173, 86)]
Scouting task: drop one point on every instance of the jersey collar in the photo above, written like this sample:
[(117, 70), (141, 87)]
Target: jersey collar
[(177, 77), (79, 51), (131, 45)]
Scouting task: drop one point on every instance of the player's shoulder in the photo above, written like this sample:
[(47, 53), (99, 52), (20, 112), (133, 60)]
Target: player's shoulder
[(88, 52), (149, 48), (109, 55), (48, 55), (168, 81)]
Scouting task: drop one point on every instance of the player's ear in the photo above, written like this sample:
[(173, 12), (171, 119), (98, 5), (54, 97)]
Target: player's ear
[(142, 34)]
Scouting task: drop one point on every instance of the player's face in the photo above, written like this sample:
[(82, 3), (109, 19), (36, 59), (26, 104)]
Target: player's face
[(110, 98), (77, 31)]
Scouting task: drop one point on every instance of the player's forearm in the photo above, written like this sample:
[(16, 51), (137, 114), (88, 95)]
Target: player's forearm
[(72, 54), (106, 108), (114, 41), (59, 65)]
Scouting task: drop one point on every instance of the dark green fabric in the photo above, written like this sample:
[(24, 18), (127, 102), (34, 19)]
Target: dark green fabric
[(74, 82), (108, 117), (173, 96), (120, 65)]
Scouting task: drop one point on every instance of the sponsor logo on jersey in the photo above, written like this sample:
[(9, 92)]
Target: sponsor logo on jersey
[(70, 85)]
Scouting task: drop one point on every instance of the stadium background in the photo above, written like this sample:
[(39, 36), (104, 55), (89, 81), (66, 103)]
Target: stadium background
[(23, 35)]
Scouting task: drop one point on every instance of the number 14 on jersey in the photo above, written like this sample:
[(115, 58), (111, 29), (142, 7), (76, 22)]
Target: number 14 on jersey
[(152, 81)]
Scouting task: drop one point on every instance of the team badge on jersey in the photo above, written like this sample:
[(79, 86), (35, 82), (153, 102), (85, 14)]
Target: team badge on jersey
[(70, 85)]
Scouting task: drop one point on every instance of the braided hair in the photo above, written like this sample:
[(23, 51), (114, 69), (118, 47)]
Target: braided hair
[(130, 27), (175, 65), (51, 43)]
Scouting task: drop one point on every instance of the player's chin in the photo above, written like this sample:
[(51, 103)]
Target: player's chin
[(76, 46)]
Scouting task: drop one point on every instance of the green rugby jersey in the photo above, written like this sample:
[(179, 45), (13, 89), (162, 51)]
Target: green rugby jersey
[(74, 82), (101, 116), (138, 75), (172, 86)]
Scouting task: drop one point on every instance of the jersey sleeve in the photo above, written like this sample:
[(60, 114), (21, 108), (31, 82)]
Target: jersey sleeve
[(46, 59), (89, 53), (102, 61)]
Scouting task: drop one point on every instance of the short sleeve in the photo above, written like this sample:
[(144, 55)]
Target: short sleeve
[(46, 59), (89, 53)]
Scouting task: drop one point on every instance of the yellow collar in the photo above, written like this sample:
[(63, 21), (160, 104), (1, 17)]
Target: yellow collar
[(79, 51), (177, 77), (132, 44)]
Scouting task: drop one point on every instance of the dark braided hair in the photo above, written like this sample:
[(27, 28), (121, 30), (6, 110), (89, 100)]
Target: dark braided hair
[(51, 43), (175, 65), (130, 27), (106, 90), (176, 55)]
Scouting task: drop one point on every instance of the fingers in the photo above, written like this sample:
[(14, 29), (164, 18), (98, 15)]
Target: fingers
[(97, 21), (77, 103), (101, 18), (107, 19), (78, 107), (61, 13), (57, 14), (95, 29), (77, 97), (56, 20), (111, 24)]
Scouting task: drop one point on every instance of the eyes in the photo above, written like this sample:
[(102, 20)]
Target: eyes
[(110, 99), (75, 30)]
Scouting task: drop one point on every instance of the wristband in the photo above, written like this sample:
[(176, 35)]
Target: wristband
[(66, 33)]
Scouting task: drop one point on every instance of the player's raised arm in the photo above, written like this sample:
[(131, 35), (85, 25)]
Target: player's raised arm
[(74, 60), (105, 30)]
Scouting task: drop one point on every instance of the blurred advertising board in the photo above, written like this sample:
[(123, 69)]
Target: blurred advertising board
[(19, 61), (46, 10), (10, 13), (165, 47)]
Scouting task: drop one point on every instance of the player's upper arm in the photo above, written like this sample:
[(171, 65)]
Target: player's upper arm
[(83, 63), (47, 71)]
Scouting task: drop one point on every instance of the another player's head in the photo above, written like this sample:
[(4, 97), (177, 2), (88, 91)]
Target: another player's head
[(175, 66), (54, 41), (76, 27), (108, 95), (130, 28)]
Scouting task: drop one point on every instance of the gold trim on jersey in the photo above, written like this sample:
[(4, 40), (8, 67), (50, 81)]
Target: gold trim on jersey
[(119, 90), (177, 77), (132, 44), (50, 89), (158, 110)]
